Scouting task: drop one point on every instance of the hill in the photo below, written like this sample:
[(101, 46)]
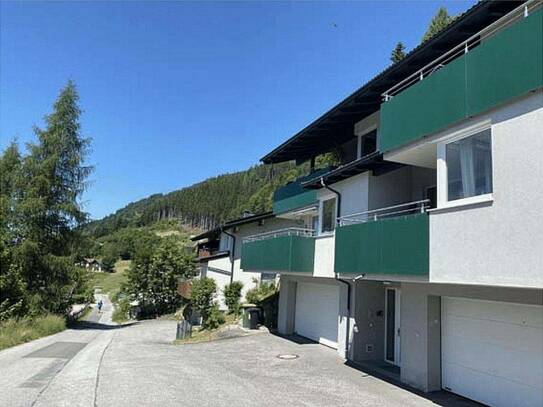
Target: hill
[(203, 205)]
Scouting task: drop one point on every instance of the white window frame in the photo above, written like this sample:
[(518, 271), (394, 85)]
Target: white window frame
[(442, 171), (323, 198), (362, 133)]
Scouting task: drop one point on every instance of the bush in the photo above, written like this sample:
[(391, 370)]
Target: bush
[(122, 310), (232, 296), (214, 319), (203, 294), (258, 293), (16, 331)]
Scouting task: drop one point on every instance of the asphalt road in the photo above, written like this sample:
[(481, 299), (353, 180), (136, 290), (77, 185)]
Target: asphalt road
[(100, 364)]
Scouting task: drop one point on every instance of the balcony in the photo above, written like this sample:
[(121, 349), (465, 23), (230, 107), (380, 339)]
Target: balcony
[(293, 196), (496, 65), (287, 250), (392, 240)]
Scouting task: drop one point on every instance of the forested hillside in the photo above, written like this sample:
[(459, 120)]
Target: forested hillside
[(206, 204)]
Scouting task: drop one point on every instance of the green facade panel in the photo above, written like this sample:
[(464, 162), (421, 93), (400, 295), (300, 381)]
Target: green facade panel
[(505, 66), (279, 254), (397, 246)]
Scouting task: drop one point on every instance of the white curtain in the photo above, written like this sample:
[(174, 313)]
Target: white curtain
[(467, 169)]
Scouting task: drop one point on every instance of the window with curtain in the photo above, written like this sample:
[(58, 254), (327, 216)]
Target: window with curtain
[(469, 166), (328, 215)]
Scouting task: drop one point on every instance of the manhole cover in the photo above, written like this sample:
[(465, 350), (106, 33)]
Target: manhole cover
[(288, 356)]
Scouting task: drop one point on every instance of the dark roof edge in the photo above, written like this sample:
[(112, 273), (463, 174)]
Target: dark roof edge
[(389, 70)]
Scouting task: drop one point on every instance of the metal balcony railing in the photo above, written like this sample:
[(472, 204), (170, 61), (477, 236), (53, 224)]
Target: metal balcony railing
[(408, 208), (463, 48), (281, 232)]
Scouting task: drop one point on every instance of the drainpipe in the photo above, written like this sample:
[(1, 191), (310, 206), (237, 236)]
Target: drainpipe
[(232, 254), (336, 276)]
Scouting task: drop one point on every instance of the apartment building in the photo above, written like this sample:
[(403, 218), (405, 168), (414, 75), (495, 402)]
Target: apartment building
[(421, 254)]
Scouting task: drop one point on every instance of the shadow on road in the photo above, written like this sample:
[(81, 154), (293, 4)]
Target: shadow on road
[(84, 325)]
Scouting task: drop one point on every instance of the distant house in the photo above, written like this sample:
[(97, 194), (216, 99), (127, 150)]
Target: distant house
[(92, 264)]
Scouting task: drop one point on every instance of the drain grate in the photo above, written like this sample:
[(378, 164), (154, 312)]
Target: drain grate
[(288, 356)]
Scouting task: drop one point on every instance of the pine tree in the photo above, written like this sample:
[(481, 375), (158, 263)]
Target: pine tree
[(441, 20), (398, 53)]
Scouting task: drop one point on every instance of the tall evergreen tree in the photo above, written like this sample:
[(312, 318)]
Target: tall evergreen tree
[(441, 20), (53, 177), (398, 53)]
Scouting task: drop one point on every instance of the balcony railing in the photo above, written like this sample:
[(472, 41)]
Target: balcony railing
[(408, 208), (281, 232), (463, 48)]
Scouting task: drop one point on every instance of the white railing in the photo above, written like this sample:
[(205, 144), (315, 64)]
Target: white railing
[(514, 15), (281, 232), (408, 208)]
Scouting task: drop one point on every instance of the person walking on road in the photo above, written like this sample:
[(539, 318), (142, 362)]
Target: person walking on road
[(100, 304)]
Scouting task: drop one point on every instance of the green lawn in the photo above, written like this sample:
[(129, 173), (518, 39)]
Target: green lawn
[(111, 282), (207, 335)]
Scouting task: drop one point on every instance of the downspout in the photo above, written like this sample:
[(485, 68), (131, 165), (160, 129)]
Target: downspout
[(232, 254), (336, 276)]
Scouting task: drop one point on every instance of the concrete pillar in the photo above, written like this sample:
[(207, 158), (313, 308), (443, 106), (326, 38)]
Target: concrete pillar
[(287, 306)]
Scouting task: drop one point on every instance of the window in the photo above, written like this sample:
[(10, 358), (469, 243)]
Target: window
[(328, 222), (469, 166)]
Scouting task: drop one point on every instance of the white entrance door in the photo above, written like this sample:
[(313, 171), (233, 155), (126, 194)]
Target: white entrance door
[(392, 325), (317, 312), (492, 352)]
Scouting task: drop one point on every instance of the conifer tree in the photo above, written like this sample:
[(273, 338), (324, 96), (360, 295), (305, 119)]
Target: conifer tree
[(441, 20), (398, 53)]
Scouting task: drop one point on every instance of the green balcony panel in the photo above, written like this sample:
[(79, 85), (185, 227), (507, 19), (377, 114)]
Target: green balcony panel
[(293, 196), (279, 254), (507, 65), (306, 198), (398, 246)]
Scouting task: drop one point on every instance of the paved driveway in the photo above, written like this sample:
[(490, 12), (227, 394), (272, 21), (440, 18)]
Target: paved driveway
[(104, 365)]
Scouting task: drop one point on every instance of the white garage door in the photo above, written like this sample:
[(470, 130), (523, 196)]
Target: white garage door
[(492, 352), (317, 312)]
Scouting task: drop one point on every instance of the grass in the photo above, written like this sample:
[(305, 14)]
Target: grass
[(111, 282), (207, 335), (16, 331)]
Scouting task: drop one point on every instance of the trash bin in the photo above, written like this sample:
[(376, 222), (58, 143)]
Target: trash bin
[(184, 330), (251, 317)]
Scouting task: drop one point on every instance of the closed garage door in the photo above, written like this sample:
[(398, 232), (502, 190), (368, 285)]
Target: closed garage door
[(492, 352), (317, 312)]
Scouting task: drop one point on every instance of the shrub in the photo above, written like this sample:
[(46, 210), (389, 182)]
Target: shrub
[(232, 296), (215, 318), (122, 310), (258, 293), (203, 294), (16, 331)]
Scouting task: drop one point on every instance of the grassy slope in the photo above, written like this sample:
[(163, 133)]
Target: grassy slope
[(14, 332), (111, 282)]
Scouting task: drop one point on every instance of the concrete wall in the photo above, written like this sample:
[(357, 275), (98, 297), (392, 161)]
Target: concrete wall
[(421, 325), (324, 256), (354, 194), (501, 242)]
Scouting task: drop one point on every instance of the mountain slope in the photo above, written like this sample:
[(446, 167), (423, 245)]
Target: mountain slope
[(206, 204)]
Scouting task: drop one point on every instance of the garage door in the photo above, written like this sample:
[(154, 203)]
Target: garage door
[(317, 312), (492, 352)]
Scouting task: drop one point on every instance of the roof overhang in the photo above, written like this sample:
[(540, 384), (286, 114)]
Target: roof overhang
[(372, 162), (336, 126)]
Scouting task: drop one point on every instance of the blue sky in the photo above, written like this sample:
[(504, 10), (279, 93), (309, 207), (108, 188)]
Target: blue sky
[(175, 92)]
